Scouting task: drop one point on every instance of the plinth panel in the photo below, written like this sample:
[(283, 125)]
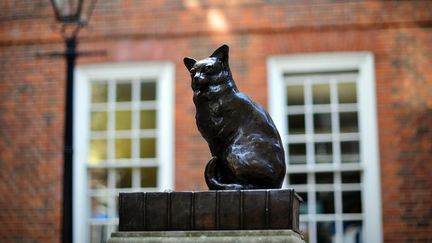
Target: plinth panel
[(181, 204), (156, 210), (229, 210), (204, 210), (255, 210)]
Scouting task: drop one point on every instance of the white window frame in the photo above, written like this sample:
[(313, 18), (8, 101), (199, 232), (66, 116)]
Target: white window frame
[(163, 73), (277, 66)]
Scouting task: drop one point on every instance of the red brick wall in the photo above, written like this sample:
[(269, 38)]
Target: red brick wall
[(32, 89)]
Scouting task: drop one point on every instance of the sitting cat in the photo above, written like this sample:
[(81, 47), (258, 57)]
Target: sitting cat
[(246, 147)]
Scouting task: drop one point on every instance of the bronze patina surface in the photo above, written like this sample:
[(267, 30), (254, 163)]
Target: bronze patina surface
[(243, 140)]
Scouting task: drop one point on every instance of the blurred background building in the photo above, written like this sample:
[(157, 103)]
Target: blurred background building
[(348, 83)]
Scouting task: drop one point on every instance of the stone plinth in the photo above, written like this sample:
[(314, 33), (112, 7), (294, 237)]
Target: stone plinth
[(240, 236), (209, 210)]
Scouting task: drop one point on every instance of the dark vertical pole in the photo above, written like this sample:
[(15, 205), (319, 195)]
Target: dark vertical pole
[(68, 143)]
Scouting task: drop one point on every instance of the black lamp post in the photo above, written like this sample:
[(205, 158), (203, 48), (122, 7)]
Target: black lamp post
[(73, 15)]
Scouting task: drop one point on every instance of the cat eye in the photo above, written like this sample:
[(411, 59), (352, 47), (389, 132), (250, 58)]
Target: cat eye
[(207, 69), (192, 72), (211, 69)]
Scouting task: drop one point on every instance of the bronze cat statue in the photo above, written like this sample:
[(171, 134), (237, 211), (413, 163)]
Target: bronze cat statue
[(246, 147)]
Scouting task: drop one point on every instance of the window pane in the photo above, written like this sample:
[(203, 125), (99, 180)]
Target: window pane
[(352, 231), (99, 92), (297, 153), (295, 95), (99, 207), (99, 121), (123, 120), (326, 232), (324, 178), (148, 148), (116, 149), (98, 233), (348, 122), (323, 153), (98, 150), (325, 202), (123, 178), (347, 93), (351, 177), (322, 123), (327, 197), (149, 177), (98, 178), (304, 204), (351, 202), (148, 119), (296, 124), (148, 91), (350, 152), (123, 148), (124, 92), (295, 179), (321, 93)]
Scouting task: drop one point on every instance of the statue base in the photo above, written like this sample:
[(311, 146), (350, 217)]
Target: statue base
[(209, 210), (241, 236)]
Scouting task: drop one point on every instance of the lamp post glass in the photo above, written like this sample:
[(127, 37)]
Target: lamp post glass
[(67, 11)]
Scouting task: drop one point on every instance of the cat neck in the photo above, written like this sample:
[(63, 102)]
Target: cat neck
[(217, 89), (229, 85)]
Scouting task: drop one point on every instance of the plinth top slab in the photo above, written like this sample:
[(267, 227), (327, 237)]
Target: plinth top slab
[(246, 236)]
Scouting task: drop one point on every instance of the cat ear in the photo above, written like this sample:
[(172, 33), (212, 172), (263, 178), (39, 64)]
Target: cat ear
[(189, 62), (221, 53)]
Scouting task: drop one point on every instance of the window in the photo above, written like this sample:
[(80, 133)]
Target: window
[(123, 140), (324, 108)]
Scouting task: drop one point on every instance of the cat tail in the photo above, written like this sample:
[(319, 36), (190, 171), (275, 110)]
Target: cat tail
[(213, 179), (210, 174)]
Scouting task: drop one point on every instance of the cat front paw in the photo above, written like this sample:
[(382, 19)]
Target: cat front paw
[(234, 187)]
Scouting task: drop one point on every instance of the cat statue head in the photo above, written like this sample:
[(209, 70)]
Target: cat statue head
[(211, 71)]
